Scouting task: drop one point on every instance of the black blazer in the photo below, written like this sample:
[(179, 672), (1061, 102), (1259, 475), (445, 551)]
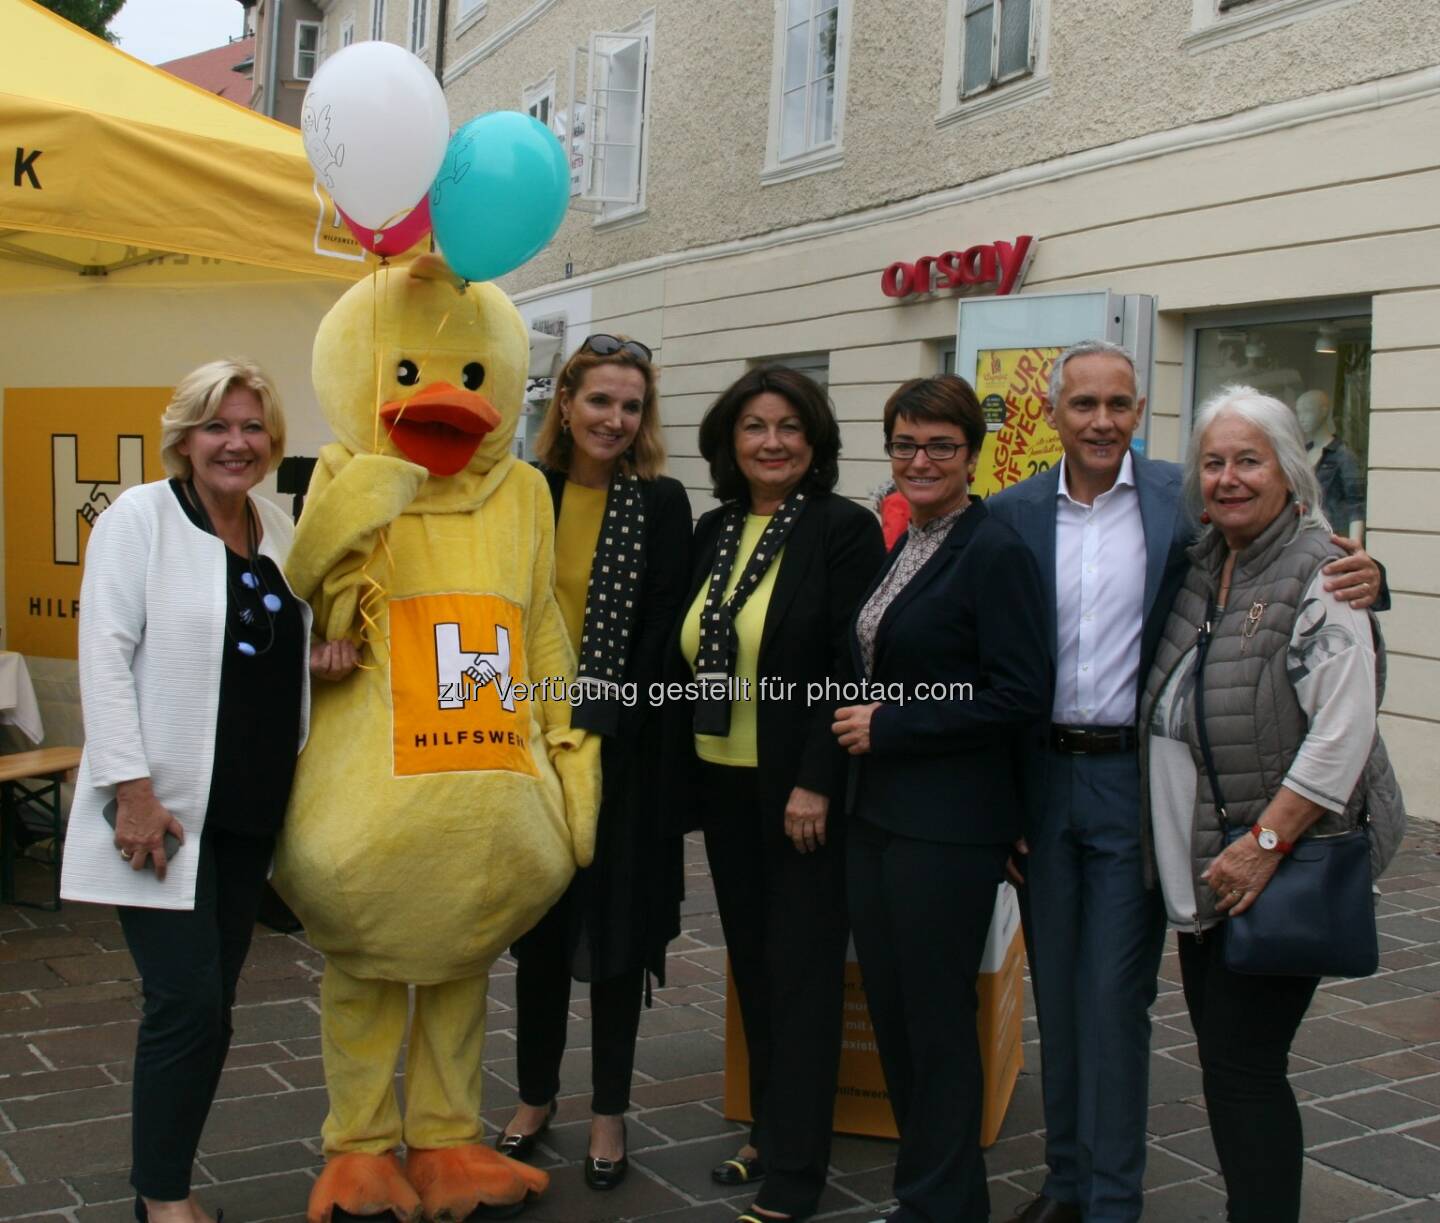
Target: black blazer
[(830, 555), (943, 769), (627, 903)]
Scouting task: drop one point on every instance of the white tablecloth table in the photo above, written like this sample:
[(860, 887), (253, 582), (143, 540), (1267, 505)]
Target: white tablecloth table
[(18, 706)]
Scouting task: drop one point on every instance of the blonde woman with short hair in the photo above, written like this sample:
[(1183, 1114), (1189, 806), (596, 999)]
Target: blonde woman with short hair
[(195, 661)]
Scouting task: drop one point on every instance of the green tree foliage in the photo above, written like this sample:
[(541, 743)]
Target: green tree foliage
[(92, 15)]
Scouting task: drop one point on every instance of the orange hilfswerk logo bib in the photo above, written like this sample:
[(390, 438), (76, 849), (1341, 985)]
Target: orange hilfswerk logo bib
[(458, 685)]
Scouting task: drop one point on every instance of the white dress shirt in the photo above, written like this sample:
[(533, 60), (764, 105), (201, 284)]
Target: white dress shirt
[(1100, 603)]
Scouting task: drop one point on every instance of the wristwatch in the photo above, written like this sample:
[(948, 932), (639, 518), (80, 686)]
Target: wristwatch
[(1270, 839)]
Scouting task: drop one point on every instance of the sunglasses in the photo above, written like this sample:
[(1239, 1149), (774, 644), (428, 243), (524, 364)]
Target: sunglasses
[(607, 345)]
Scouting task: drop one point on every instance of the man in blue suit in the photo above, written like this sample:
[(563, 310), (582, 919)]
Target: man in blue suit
[(1109, 532)]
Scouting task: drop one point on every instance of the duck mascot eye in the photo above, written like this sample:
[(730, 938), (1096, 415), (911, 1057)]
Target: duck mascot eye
[(443, 801)]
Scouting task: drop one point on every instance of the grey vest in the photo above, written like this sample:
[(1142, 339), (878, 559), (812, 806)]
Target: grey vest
[(1254, 720)]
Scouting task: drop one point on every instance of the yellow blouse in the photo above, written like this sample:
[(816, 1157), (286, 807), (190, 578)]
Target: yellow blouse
[(737, 749), (576, 533)]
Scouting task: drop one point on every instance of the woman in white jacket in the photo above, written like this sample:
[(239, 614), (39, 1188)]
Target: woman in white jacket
[(194, 686)]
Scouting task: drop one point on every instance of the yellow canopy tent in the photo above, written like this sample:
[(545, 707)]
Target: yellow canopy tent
[(114, 160), (146, 226)]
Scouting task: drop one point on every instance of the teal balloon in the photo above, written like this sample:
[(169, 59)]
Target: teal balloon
[(500, 195)]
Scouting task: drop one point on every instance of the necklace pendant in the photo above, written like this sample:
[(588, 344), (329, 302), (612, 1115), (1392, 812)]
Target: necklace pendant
[(1252, 622)]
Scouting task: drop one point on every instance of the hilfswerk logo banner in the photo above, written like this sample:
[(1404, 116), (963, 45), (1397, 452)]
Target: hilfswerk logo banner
[(70, 452), (457, 685)]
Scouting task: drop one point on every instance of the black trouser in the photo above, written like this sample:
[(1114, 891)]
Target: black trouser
[(189, 962), (1244, 1025), (542, 998), (920, 912), (783, 913)]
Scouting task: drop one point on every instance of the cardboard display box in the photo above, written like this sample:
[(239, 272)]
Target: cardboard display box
[(862, 1105)]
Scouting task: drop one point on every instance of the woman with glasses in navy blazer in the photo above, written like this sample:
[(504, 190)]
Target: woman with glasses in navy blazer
[(952, 630)]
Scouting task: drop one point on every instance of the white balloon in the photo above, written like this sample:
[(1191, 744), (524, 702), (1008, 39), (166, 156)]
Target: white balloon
[(375, 127)]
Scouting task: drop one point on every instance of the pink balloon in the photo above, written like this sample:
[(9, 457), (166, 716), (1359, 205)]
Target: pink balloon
[(399, 237)]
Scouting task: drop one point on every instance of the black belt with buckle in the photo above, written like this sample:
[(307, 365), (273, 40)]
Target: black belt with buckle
[(1091, 740)]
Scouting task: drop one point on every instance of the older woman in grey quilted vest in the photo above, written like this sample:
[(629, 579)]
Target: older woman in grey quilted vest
[(1290, 705)]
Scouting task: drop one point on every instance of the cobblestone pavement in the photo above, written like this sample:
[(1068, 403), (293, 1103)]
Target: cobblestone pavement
[(1367, 1065)]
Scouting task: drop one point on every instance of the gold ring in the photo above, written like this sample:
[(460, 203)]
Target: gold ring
[(126, 854)]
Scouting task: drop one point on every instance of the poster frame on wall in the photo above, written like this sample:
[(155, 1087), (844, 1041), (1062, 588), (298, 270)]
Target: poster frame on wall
[(1057, 320)]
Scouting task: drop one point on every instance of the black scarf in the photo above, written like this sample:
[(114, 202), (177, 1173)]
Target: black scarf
[(715, 662), (611, 601)]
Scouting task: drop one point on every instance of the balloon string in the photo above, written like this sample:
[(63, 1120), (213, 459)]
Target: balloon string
[(376, 355), (370, 632), (374, 593)]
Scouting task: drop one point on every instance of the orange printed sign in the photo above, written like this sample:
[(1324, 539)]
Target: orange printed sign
[(458, 685), (69, 452), (1011, 384)]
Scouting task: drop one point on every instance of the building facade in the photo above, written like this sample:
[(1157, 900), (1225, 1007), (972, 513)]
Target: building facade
[(1266, 170), (288, 50)]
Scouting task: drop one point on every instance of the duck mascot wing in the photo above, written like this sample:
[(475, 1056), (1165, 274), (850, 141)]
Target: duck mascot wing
[(443, 801)]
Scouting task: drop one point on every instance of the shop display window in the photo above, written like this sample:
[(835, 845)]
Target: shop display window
[(1320, 367)]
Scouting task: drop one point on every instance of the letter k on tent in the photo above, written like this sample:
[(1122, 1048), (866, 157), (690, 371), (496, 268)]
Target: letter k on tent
[(106, 161)]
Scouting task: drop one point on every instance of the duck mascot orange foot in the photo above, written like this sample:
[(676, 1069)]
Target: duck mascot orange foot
[(443, 801)]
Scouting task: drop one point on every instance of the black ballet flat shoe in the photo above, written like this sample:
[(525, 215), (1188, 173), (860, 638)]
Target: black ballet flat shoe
[(522, 1146), (605, 1174), (741, 1170)]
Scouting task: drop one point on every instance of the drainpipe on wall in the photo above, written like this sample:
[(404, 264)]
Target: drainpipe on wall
[(442, 15), (272, 57)]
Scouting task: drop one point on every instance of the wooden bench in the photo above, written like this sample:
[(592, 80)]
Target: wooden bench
[(32, 779)]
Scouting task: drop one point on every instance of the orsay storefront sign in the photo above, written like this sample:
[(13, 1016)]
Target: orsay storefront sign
[(1001, 264)]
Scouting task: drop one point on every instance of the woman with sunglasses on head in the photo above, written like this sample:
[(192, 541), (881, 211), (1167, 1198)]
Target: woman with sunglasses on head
[(622, 540), (779, 570), (194, 689), (954, 623)]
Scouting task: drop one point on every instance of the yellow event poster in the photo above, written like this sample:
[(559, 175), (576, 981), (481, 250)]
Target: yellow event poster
[(1011, 384), (69, 452)]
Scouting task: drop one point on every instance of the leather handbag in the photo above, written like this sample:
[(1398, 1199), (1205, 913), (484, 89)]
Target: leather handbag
[(1316, 916)]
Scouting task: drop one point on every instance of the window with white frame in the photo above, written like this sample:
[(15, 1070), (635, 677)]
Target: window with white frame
[(1215, 23), (996, 57), (466, 9), (807, 85), (307, 49), (377, 20), (347, 32), (419, 25), (997, 44), (539, 101), (617, 114)]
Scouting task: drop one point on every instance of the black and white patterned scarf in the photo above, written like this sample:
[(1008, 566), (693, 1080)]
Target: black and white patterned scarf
[(611, 601), (715, 662)]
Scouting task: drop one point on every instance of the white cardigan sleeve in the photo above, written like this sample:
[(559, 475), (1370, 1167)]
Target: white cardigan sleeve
[(112, 626)]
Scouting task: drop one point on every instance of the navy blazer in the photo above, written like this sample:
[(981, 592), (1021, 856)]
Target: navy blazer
[(944, 767), (1030, 507), (830, 555)]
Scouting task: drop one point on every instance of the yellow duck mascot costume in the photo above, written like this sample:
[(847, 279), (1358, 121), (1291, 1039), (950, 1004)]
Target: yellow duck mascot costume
[(443, 802)]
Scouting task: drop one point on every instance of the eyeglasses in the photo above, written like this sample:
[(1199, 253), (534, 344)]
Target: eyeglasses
[(936, 451), (607, 345)]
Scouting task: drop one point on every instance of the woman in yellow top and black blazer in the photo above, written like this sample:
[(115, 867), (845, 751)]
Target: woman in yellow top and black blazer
[(779, 568), (622, 541)]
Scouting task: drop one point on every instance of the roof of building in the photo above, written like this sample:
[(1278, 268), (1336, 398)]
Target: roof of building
[(214, 70)]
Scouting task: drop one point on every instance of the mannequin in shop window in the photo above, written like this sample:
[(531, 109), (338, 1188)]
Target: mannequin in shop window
[(1338, 470)]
